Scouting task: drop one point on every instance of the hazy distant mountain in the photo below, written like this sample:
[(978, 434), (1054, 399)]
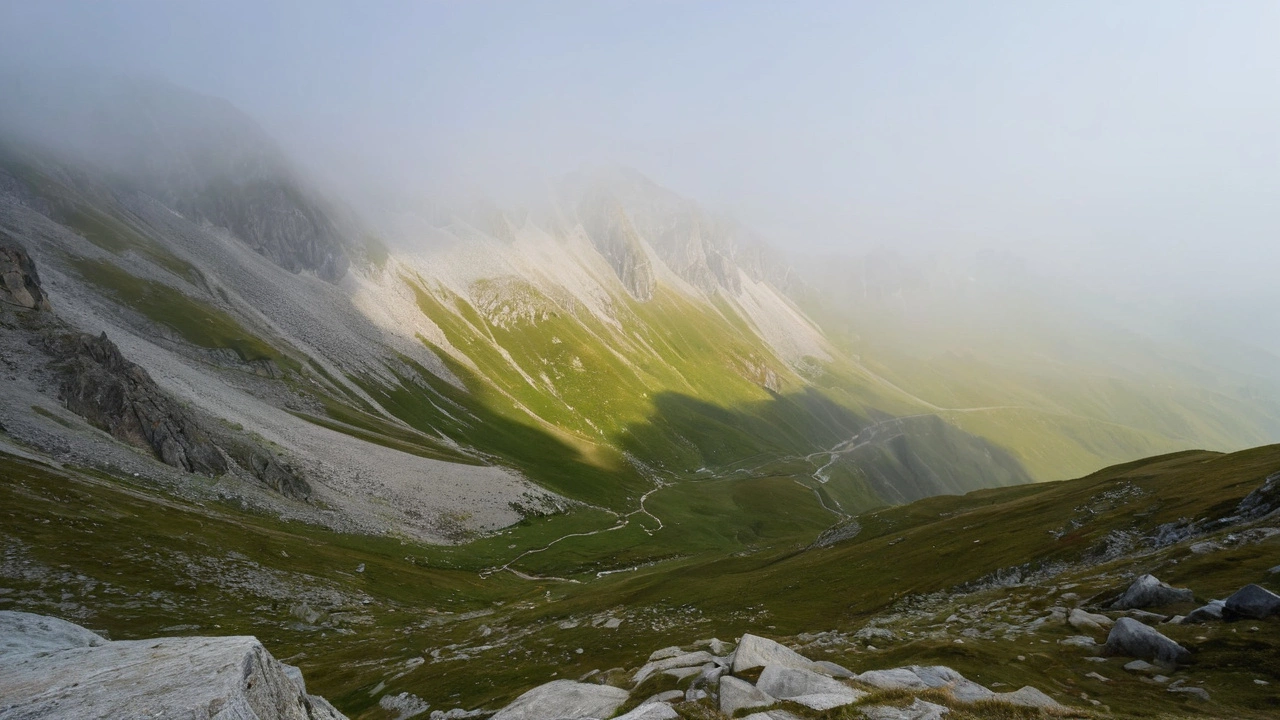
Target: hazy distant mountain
[(197, 154), (476, 365)]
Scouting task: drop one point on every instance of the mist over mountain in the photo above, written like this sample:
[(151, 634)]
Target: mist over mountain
[(461, 400)]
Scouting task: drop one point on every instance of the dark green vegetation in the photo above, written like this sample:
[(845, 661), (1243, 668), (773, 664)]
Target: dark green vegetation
[(126, 560)]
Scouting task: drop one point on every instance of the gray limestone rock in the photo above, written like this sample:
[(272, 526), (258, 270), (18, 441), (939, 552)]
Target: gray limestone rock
[(736, 694), (650, 711), (1134, 639), (687, 660), (27, 634), (561, 699), (1197, 692), (754, 651), (121, 398), (892, 679), (791, 683), (1028, 696), (1148, 591), (1251, 601), (943, 677), (666, 652), (49, 668), (1087, 621), (19, 281), (1205, 613), (1262, 500)]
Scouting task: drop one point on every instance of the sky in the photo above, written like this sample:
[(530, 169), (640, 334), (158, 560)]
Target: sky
[(1135, 144)]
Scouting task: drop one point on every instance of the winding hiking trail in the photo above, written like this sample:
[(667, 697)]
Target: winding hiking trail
[(623, 521), (869, 435)]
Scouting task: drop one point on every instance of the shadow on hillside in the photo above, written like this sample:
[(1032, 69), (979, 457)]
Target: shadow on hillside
[(895, 459)]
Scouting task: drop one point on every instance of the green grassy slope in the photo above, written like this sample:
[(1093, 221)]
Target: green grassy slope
[(728, 556)]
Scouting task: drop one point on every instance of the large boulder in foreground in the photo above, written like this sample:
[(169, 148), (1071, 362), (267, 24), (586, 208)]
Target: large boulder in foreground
[(54, 669), (1134, 639), (1251, 601), (564, 699), (1147, 591)]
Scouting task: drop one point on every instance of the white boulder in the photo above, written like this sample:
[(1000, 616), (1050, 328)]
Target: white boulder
[(754, 651), (51, 669), (564, 699)]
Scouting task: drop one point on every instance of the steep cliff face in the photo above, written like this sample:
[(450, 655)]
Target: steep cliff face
[(612, 233), (121, 398), (708, 252), (19, 281)]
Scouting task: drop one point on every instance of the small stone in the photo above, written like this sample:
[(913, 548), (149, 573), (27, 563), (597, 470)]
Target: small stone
[(664, 653), (1028, 697), (1198, 692), (1098, 676), (1083, 641)]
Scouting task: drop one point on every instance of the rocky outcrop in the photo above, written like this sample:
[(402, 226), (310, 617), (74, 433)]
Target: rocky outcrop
[(273, 216), (278, 475), (101, 386), (50, 668), (612, 233), (1131, 638), (19, 281), (1261, 501), (785, 678), (1147, 591), (1251, 601)]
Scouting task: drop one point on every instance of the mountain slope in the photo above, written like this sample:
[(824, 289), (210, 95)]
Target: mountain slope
[(487, 365)]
